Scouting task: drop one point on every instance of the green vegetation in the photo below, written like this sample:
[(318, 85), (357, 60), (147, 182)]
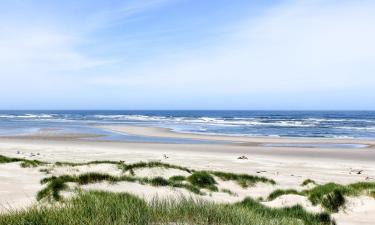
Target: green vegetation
[(57, 184), (121, 208), (244, 180), (307, 182), (177, 178), (159, 181), (194, 183), (24, 162), (31, 163), (88, 163), (52, 191), (4, 159), (229, 192), (131, 167), (330, 196), (203, 179), (332, 201), (280, 192), (372, 194)]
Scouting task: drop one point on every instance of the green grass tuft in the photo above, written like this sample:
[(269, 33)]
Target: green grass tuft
[(203, 179), (307, 182), (106, 208), (52, 191), (5, 159), (159, 181), (333, 201), (24, 162), (89, 178), (372, 194), (244, 180), (177, 178), (131, 167), (280, 192), (330, 196)]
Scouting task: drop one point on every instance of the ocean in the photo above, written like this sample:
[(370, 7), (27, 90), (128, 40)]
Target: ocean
[(323, 124)]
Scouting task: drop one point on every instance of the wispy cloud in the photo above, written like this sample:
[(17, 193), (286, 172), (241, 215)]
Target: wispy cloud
[(294, 48)]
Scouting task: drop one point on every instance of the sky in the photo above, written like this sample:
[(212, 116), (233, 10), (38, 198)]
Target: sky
[(187, 54)]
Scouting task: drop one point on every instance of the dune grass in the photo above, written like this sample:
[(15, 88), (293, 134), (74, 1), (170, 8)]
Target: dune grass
[(24, 162), (194, 183), (52, 191), (131, 167), (95, 207), (279, 192), (229, 192), (5, 159), (159, 181), (35, 163), (244, 180), (307, 182), (73, 164), (54, 185), (203, 179), (330, 196), (177, 178)]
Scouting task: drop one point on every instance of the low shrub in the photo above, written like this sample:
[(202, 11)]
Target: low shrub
[(203, 180)]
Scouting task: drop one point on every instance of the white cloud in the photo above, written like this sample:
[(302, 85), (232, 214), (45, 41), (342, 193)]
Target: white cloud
[(296, 47)]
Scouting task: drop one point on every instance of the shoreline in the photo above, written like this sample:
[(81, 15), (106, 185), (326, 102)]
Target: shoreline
[(170, 133)]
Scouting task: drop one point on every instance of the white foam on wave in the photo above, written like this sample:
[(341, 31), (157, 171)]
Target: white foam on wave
[(130, 117), (26, 116), (320, 120), (357, 128), (212, 121)]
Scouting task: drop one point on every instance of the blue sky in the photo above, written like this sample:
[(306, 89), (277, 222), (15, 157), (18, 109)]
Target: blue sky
[(185, 54)]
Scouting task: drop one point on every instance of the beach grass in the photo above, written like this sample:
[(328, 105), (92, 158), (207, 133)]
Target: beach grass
[(54, 185), (229, 192), (372, 194), (307, 182), (279, 192), (5, 159), (194, 183), (24, 162), (177, 178), (203, 179), (244, 180), (330, 196), (131, 167), (159, 181), (105, 208), (73, 164)]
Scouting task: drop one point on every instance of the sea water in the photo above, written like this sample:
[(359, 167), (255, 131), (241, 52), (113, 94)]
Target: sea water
[(322, 124)]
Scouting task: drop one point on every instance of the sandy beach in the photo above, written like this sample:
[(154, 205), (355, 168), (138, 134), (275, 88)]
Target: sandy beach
[(288, 166)]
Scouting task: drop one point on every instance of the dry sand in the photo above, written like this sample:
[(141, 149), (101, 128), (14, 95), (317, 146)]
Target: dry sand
[(287, 166)]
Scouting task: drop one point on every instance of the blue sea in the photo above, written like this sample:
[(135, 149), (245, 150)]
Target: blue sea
[(326, 124)]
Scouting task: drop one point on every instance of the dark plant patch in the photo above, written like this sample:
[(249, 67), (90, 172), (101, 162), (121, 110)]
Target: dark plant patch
[(203, 179), (307, 182)]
